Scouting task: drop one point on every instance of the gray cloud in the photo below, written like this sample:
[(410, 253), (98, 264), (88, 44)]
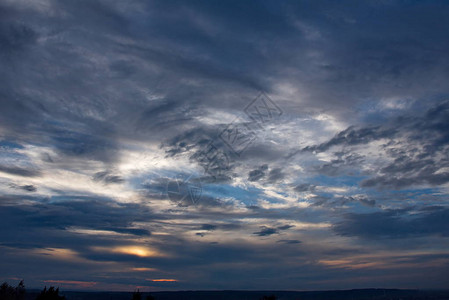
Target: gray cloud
[(20, 171), (258, 173), (266, 231), (26, 187), (394, 224), (416, 144), (304, 187), (106, 177), (275, 175), (352, 136), (289, 241)]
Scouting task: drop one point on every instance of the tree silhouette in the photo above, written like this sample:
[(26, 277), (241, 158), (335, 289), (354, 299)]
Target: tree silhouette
[(20, 291), (50, 294), (8, 292), (137, 295)]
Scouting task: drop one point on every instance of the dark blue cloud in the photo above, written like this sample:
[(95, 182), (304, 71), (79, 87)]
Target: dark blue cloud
[(395, 224)]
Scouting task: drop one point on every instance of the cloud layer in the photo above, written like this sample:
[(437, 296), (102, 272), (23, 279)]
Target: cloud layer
[(135, 147)]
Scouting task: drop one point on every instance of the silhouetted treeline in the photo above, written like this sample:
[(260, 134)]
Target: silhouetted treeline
[(50, 294), (8, 292)]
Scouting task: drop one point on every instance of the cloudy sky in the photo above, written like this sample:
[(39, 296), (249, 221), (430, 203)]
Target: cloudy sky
[(175, 145)]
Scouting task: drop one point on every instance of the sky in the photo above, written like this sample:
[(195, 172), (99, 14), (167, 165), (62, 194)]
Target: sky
[(200, 145)]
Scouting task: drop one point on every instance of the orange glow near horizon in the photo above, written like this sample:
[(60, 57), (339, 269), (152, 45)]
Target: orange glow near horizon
[(144, 269), (163, 280), (132, 250), (83, 284)]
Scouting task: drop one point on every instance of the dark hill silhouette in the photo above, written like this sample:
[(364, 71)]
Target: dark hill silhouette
[(360, 294)]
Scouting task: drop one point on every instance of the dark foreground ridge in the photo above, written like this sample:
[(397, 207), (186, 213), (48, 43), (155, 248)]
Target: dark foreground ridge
[(359, 294)]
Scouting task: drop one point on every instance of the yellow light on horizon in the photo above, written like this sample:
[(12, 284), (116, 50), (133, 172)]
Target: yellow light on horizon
[(139, 251), (163, 280)]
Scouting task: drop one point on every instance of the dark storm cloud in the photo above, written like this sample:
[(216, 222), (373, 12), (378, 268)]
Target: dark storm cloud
[(395, 224), (82, 212), (183, 103), (295, 32)]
